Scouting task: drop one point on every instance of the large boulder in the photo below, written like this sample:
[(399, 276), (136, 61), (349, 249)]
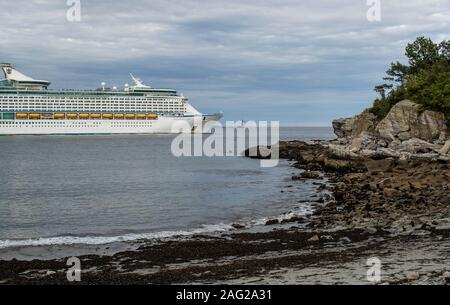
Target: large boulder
[(349, 128), (415, 146), (405, 121)]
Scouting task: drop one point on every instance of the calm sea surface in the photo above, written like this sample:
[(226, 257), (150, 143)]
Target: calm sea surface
[(97, 189)]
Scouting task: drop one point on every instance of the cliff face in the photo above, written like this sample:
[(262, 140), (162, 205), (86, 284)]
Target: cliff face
[(354, 126), (405, 122), (405, 131)]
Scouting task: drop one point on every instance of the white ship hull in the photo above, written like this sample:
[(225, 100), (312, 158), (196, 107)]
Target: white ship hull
[(163, 125)]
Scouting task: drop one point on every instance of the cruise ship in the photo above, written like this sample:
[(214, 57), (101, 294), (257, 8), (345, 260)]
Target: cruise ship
[(28, 107)]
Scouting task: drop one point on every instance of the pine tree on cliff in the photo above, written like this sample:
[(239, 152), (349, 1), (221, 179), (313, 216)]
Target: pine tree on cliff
[(425, 79)]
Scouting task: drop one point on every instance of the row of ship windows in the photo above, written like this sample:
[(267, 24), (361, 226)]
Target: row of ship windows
[(15, 103), (72, 107), (90, 99), (75, 124), (44, 123), (2, 105), (93, 105), (94, 108)]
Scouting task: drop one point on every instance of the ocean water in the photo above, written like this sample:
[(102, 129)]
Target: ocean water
[(99, 189)]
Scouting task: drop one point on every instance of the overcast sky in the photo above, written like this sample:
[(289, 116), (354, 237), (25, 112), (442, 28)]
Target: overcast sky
[(299, 62)]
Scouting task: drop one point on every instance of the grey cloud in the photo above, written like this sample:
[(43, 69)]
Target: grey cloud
[(238, 56)]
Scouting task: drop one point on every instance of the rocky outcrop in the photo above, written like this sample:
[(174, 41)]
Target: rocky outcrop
[(405, 132), (415, 146), (366, 140), (405, 121), (351, 128)]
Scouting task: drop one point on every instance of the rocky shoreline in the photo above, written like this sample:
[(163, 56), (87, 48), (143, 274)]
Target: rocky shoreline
[(390, 208), (383, 193), (394, 194)]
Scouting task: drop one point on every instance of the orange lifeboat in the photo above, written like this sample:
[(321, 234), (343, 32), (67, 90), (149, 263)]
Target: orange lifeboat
[(59, 115), (130, 116), (152, 116), (95, 116), (72, 116), (34, 116), (21, 115)]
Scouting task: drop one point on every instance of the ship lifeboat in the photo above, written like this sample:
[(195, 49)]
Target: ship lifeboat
[(83, 116), (130, 116), (152, 116), (96, 116), (140, 116), (72, 116), (107, 116), (118, 116), (34, 116), (46, 115), (21, 115), (59, 115)]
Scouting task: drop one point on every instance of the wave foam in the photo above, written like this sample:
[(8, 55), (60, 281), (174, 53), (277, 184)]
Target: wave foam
[(101, 240)]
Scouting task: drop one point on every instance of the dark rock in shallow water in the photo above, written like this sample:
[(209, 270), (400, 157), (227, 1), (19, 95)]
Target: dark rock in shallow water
[(446, 277), (238, 226), (259, 152), (311, 175), (293, 219), (272, 222), (322, 186)]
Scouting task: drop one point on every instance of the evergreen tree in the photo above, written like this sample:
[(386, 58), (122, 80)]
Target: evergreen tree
[(425, 80)]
